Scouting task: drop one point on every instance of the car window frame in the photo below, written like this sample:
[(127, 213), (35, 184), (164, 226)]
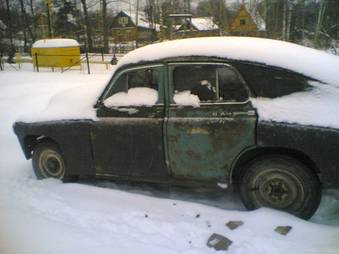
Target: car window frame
[(269, 68), (115, 78), (171, 83)]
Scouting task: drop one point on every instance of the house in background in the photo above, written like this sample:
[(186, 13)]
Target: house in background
[(196, 27), (247, 23), (125, 29)]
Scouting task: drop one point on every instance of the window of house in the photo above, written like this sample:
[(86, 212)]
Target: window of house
[(207, 83), (123, 21), (242, 22)]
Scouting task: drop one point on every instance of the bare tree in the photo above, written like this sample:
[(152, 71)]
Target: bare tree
[(34, 20), (289, 19), (88, 26), (104, 25), (10, 27), (27, 27)]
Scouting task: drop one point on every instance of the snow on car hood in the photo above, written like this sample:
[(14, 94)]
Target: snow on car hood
[(73, 103)]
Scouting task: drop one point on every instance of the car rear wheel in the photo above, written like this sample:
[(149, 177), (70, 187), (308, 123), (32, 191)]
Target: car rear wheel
[(48, 162), (281, 183)]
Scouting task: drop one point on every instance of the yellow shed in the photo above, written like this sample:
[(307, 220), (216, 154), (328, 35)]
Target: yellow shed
[(56, 53)]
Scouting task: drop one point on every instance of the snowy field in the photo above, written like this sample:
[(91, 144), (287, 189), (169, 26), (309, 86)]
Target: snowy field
[(91, 217)]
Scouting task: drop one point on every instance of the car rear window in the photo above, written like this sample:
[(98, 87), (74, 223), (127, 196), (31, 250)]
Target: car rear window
[(271, 82)]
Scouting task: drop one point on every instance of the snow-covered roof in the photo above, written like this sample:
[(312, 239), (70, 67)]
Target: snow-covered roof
[(204, 23), (55, 43), (142, 19), (310, 62)]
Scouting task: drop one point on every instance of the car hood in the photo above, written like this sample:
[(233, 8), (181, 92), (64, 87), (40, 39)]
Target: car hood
[(74, 103)]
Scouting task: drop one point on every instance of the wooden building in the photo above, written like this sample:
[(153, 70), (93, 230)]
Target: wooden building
[(125, 28), (247, 23)]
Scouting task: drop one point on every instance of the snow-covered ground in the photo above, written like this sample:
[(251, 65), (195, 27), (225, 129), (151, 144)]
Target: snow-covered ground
[(104, 217)]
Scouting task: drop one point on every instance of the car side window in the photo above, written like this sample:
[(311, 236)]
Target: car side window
[(231, 87), (200, 80), (271, 82), (207, 83), (135, 88)]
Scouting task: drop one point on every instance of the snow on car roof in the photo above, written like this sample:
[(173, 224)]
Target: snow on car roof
[(55, 43), (310, 62)]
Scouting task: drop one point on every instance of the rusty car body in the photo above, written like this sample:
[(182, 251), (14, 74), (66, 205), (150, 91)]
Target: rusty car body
[(182, 144)]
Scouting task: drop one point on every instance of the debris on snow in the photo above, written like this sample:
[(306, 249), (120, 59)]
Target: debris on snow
[(218, 242), (283, 230), (234, 224)]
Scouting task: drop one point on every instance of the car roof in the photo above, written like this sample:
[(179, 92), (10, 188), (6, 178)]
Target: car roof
[(313, 63)]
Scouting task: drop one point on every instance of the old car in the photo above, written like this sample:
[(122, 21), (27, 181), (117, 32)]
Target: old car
[(243, 113)]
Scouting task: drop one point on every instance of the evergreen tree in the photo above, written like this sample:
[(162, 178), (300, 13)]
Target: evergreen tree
[(66, 22)]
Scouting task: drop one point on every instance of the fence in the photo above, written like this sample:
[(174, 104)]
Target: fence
[(39, 61)]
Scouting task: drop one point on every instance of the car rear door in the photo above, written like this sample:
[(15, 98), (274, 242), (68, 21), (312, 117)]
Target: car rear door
[(127, 138), (210, 120)]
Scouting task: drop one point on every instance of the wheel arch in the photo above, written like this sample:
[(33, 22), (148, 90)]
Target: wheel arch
[(239, 166), (31, 141)]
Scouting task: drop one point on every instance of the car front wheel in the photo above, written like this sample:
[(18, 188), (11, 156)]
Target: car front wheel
[(281, 183), (48, 161)]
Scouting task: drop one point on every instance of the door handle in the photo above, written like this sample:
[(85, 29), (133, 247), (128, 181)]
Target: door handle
[(244, 113)]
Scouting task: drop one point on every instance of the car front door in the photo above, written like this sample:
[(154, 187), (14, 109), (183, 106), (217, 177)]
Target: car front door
[(127, 138), (210, 120)]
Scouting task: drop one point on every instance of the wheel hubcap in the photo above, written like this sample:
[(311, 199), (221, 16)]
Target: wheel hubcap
[(51, 164), (278, 189)]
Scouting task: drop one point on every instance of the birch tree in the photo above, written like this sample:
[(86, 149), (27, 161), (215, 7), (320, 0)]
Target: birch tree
[(320, 19)]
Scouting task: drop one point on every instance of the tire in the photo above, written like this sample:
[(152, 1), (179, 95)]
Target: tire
[(48, 162), (281, 183)]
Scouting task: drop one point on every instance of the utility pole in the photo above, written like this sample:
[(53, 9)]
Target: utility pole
[(49, 19)]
